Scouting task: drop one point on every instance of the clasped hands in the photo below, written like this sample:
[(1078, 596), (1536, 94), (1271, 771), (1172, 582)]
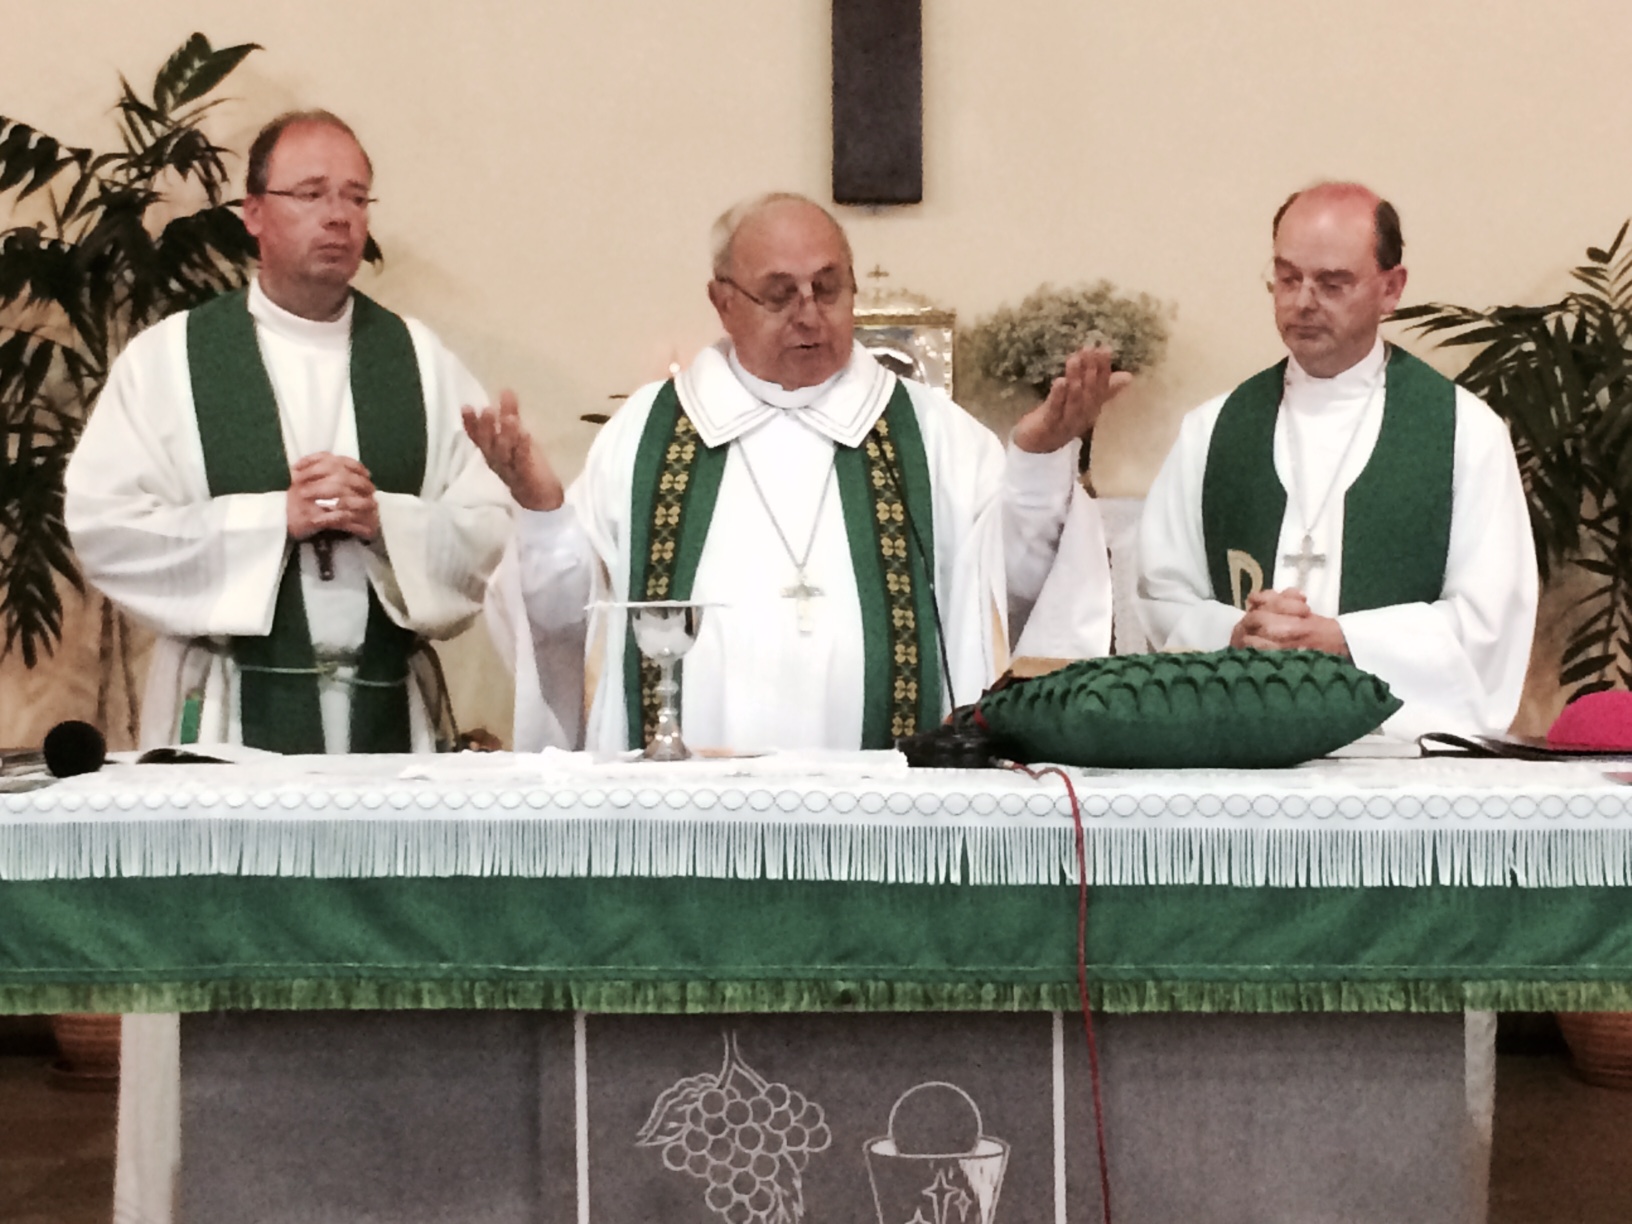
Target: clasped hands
[(513, 454), (1281, 620), (329, 492), (1073, 403)]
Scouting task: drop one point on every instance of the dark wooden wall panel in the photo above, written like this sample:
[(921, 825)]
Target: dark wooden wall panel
[(878, 102)]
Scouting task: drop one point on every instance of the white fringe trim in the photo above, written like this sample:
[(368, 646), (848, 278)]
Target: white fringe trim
[(939, 831), (893, 853)]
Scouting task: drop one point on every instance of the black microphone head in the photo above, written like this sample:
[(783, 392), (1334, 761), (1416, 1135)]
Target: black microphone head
[(74, 747)]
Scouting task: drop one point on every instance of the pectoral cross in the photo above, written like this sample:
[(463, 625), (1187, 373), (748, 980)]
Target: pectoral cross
[(804, 593), (1306, 559)]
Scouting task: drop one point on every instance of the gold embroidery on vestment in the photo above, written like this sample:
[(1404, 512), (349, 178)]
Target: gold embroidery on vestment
[(894, 558), (890, 514), (1244, 565), (672, 483)]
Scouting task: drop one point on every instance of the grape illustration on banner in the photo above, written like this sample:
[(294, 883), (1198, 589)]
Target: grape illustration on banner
[(936, 1164), (747, 1138)]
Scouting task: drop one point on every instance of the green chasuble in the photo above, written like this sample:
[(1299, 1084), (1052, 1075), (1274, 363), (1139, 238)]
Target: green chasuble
[(884, 489), (1396, 515), (238, 425)]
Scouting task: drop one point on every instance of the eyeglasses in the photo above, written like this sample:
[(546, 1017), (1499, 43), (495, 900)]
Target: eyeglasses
[(1330, 287), (785, 295), (306, 197)]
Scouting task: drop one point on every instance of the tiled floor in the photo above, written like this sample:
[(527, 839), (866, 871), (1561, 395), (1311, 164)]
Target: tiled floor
[(1563, 1151)]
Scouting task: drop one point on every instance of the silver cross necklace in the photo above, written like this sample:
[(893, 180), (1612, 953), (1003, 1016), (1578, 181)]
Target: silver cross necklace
[(801, 590), (1306, 558)]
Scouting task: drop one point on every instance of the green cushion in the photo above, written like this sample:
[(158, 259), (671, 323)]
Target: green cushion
[(1240, 709)]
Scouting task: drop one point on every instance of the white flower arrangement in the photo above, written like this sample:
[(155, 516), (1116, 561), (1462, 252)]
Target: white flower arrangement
[(1028, 344)]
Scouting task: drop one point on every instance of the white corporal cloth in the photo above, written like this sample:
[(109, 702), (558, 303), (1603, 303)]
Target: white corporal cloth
[(1019, 554), (1458, 663)]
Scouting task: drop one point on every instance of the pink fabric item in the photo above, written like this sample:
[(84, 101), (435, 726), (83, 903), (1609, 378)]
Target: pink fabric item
[(1598, 720)]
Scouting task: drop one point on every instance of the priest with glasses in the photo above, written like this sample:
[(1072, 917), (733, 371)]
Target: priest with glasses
[(279, 484), (870, 550), (1349, 499)]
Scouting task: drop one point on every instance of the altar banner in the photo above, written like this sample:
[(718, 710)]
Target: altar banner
[(518, 1117)]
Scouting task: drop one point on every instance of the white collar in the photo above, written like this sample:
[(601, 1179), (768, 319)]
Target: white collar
[(320, 333), (774, 394), (1358, 379), (724, 401)]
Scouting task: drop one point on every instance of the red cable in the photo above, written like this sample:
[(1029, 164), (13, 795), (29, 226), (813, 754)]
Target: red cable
[(1082, 975)]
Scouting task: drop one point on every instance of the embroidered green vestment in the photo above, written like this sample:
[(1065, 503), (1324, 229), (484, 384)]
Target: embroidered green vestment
[(885, 493)]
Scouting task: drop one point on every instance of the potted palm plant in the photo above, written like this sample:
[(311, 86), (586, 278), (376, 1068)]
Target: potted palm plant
[(1560, 374), (98, 246)]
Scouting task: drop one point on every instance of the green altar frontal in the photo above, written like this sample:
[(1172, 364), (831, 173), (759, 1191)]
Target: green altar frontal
[(691, 945), (157, 892)]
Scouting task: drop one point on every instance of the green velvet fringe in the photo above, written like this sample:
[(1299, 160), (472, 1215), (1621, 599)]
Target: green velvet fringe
[(711, 997)]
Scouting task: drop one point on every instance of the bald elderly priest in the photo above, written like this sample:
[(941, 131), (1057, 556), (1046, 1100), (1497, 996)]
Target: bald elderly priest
[(279, 484), (847, 524), (1349, 499)]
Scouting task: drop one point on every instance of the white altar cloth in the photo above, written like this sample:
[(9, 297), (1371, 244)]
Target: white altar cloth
[(1339, 823)]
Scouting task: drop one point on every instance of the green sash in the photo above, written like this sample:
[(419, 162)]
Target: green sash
[(885, 492), (243, 453), (1396, 515)]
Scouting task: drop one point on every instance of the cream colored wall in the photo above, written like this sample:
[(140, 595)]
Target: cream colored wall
[(548, 170)]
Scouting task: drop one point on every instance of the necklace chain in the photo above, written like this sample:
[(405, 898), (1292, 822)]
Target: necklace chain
[(799, 562), (1342, 462)]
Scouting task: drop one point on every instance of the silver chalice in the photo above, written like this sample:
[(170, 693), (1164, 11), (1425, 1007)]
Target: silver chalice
[(664, 630)]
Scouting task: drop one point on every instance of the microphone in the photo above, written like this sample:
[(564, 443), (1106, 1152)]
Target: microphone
[(74, 747)]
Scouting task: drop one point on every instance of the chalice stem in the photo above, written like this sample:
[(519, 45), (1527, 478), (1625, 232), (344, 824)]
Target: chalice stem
[(666, 743)]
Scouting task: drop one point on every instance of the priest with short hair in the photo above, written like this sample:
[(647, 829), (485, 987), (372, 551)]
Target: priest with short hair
[(868, 549), (1349, 499), (278, 483)]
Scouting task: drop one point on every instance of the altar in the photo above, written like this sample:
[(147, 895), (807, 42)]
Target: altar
[(500, 988)]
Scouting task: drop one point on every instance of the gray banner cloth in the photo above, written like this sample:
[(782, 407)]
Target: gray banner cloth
[(422, 1117)]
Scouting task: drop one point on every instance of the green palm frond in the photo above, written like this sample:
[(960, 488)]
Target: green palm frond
[(1560, 375), (73, 291)]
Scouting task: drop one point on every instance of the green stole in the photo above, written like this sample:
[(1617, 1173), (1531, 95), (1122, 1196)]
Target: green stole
[(1396, 515), (239, 428), (885, 492)]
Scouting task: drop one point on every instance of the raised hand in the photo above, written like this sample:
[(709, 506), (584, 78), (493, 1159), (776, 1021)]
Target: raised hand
[(1074, 402), (513, 455), (329, 492)]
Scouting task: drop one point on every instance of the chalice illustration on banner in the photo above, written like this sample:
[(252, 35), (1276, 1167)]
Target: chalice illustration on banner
[(665, 629), (936, 1165)]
